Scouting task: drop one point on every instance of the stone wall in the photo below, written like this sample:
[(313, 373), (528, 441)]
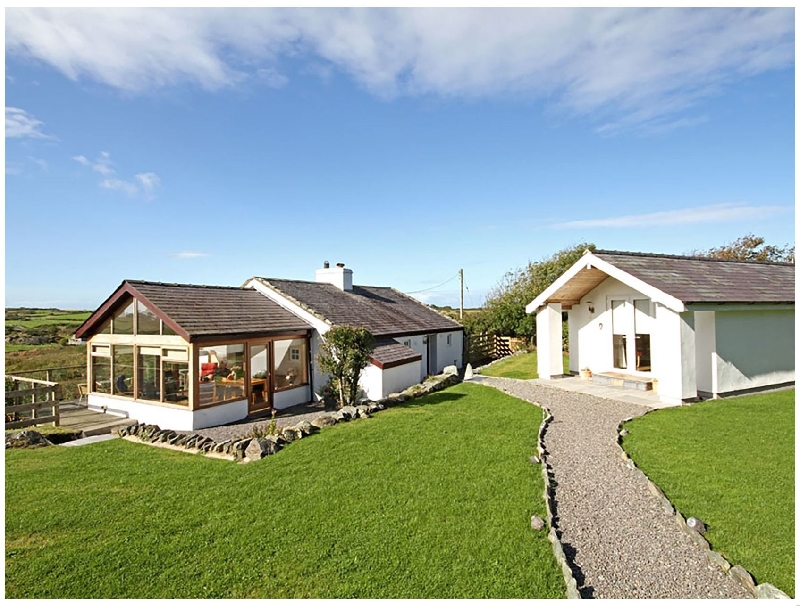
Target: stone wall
[(255, 448)]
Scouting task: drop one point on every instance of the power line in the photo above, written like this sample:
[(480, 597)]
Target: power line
[(413, 292)]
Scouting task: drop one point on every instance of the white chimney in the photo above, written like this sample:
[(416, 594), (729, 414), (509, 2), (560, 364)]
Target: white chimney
[(340, 277)]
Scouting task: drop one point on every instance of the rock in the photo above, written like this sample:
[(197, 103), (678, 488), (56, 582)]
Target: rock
[(221, 446), (325, 420), (716, 559), (468, 372), (696, 524), (291, 434), (624, 432), (362, 412), (535, 460), (770, 592), (305, 427), (26, 439), (208, 446), (743, 577), (537, 523), (349, 412), (180, 439), (373, 407), (397, 397), (260, 448), (450, 370)]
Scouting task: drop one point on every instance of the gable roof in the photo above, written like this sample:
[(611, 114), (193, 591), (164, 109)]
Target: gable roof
[(382, 310), (675, 281), (194, 311)]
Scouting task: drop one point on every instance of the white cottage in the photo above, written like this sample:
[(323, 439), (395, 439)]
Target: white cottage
[(695, 327), (186, 356)]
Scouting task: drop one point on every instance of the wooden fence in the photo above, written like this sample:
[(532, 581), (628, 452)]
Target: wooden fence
[(34, 405), (69, 377), (486, 347)]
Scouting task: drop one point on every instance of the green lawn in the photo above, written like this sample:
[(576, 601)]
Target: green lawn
[(731, 464), (432, 499), (522, 366)]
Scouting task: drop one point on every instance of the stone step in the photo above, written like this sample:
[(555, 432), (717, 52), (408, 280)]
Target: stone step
[(617, 379)]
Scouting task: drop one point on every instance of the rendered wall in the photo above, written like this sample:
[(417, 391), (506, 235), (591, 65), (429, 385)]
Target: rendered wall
[(549, 341), (755, 349), (179, 419), (449, 355), (291, 397), (705, 351)]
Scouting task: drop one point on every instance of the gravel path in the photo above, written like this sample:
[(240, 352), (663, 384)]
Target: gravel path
[(617, 537), (243, 429)]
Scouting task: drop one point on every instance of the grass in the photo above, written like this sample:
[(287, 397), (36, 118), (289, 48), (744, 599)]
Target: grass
[(50, 356), (731, 464), (427, 500), (521, 366)]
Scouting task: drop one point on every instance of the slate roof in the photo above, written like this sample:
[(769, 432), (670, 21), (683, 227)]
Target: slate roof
[(203, 311), (701, 280), (382, 310), (389, 353)]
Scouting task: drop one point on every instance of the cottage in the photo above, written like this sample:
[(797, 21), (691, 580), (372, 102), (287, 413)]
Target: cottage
[(697, 327), (186, 356)]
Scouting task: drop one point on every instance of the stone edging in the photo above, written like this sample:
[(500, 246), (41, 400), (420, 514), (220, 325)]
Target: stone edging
[(738, 573), (251, 448), (549, 497)]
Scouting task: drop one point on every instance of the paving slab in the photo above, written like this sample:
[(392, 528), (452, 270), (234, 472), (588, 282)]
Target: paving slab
[(90, 440)]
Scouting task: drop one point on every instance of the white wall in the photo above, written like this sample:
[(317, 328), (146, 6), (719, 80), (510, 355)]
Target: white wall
[(706, 350), (399, 378), (167, 417), (673, 351), (449, 355), (754, 349), (549, 337), (291, 397)]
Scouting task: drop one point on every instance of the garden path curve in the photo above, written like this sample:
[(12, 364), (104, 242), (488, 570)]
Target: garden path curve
[(617, 537)]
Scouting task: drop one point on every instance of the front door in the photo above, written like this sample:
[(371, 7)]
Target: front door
[(631, 320), (432, 361), (260, 379)]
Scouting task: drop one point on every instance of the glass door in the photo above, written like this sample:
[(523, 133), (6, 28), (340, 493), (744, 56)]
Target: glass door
[(631, 321), (260, 379), (620, 324)]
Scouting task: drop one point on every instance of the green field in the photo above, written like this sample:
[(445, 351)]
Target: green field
[(520, 366), (731, 464), (431, 499)]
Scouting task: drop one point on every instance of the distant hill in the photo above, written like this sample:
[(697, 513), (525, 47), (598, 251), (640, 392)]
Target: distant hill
[(34, 326)]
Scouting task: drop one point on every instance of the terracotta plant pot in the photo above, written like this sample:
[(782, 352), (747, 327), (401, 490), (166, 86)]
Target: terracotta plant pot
[(586, 374)]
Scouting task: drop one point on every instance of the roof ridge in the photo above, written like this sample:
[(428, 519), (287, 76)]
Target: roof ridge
[(183, 285), (690, 257)]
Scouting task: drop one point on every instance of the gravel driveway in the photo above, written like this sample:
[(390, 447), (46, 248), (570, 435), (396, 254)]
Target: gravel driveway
[(619, 540)]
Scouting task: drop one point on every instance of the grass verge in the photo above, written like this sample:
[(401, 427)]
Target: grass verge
[(731, 464), (432, 499), (521, 366)]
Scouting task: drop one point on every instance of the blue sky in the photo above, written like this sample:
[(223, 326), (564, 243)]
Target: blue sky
[(210, 146)]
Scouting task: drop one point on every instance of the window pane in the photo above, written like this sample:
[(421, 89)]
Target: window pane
[(123, 320), (101, 374), (176, 388), (105, 328), (147, 321), (259, 375), (642, 317), (149, 378), (123, 370), (290, 363), (168, 331), (221, 372)]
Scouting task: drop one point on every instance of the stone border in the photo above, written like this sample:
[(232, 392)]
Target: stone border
[(738, 573), (549, 498), (247, 449)]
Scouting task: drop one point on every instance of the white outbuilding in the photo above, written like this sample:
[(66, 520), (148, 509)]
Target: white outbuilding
[(691, 327)]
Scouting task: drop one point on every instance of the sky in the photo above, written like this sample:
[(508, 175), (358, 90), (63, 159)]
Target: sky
[(209, 146)]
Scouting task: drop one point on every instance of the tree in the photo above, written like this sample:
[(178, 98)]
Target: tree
[(344, 353), (749, 248), (504, 311)]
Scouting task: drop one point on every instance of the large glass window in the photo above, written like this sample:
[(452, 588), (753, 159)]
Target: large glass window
[(101, 373), (147, 323), (123, 370), (221, 371), (123, 320), (259, 376), (148, 367), (176, 387), (290, 363)]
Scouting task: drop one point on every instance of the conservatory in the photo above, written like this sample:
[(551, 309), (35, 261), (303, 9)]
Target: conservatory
[(186, 357)]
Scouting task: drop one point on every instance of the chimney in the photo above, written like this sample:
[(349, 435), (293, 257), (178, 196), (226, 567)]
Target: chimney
[(339, 276)]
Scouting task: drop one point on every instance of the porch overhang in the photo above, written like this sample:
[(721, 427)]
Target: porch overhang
[(587, 274)]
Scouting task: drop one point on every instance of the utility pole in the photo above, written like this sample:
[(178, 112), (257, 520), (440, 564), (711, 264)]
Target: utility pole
[(461, 309)]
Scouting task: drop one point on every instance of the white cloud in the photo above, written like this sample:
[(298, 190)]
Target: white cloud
[(40, 163), (733, 211), (20, 124), (120, 185), (189, 255), (102, 165), (13, 169), (626, 67), (149, 182)]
